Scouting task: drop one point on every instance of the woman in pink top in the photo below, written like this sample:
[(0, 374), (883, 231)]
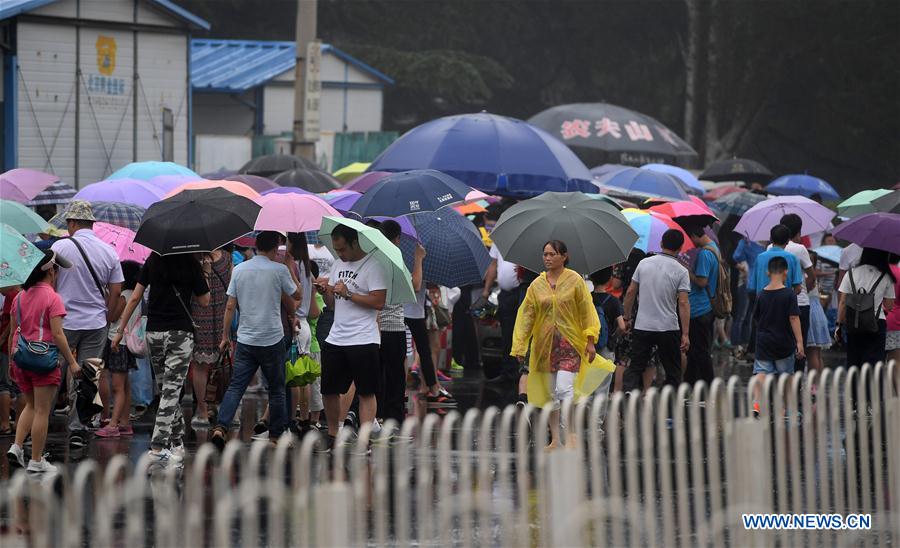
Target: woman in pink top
[(37, 314), (892, 342)]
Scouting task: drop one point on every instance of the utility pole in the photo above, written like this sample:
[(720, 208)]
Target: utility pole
[(305, 130)]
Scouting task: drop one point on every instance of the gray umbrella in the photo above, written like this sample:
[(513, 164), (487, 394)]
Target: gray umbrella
[(596, 233)]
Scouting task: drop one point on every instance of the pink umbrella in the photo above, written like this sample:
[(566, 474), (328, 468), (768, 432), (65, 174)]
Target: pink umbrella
[(22, 184), (293, 212), (122, 191), (685, 208), (122, 241), (287, 190), (720, 191), (366, 181), (169, 183)]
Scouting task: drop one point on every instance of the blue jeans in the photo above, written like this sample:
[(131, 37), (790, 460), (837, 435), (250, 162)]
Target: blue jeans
[(742, 314), (247, 359)]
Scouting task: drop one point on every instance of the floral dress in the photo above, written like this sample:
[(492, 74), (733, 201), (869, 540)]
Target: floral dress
[(209, 318)]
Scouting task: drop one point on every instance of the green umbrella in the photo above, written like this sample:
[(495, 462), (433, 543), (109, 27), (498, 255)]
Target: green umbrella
[(860, 203), (21, 218), (595, 231), (372, 241), (18, 256)]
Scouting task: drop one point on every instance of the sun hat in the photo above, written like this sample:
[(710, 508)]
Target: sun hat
[(79, 210)]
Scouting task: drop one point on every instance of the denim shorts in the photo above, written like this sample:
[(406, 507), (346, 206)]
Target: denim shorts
[(772, 367)]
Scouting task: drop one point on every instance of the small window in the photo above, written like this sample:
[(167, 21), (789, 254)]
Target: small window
[(168, 135)]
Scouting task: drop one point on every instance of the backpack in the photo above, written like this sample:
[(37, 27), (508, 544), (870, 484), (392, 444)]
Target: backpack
[(603, 339), (862, 316), (721, 301)]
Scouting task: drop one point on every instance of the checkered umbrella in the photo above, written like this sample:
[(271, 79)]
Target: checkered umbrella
[(456, 255), (737, 203), (57, 193), (125, 215)]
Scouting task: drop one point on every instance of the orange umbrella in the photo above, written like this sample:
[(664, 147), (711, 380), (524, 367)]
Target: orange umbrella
[(234, 187), (470, 208)]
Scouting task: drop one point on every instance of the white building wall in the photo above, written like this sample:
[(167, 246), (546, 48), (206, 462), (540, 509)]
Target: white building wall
[(215, 152), (334, 69), (222, 114), (278, 109), (162, 66), (351, 110), (107, 10)]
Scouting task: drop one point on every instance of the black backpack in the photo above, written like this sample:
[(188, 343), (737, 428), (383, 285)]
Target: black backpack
[(862, 314)]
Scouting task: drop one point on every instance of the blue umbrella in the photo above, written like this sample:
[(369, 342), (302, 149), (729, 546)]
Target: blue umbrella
[(802, 185), (148, 170), (456, 255), (412, 192), (495, 154), (605, 169), (831, 253), (692, 184), (644, 182)]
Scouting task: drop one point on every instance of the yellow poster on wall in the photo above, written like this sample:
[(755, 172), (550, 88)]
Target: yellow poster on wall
[(106, 55)]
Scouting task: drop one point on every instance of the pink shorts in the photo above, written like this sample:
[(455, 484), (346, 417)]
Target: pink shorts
[(27, 381)]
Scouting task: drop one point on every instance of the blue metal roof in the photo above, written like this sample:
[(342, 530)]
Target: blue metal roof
[(239, 65), (12, 8)]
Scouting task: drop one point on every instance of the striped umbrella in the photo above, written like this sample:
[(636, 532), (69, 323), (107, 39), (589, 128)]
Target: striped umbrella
[(57, 193), (125, 215), (737, 203)]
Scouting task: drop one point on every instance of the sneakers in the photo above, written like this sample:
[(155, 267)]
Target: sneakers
[(219, 438), (756, 410), (41, 467), (329, 445), (16, 456), (441, 376), (78, 440), (199, 422), (454, 366), (161, 458), (442, 400), (108, 432), (262, 436), (126, 430), (260, 427), (178, 452), (351, 421)]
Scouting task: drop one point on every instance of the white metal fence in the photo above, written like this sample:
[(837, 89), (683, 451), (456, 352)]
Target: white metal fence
[(671, 468)]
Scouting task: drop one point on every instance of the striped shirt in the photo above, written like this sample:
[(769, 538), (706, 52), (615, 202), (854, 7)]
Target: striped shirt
[(390, 318)]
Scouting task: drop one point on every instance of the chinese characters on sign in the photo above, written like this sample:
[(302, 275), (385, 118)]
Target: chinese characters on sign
[(104, 89), (313, 91), (105, 84), (635, 131)]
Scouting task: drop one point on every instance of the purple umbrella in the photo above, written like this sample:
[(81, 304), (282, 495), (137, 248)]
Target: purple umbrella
[(168, 183), (406, 226), (286, 190), (875, 230), (758, 221), (342, 200), (365, 181), (122, 191), (257, 183), (22, 185)]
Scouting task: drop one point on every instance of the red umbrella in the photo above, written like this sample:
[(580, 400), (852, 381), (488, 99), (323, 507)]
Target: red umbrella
[(720, 191), (676, 210)]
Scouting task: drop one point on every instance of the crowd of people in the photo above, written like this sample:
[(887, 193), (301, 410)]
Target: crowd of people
[(217, 325)]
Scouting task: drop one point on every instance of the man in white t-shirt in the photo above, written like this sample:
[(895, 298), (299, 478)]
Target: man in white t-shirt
[(798, 250), (356, 290), (512, 292), (850, 256)]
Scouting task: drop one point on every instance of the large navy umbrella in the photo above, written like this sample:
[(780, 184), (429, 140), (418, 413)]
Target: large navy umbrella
[(802, 185), (645, 182), (456, 255), (605, 133), (412, 192), (495, 154)]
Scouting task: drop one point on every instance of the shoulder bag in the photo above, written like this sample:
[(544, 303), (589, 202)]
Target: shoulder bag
[(87, 262), (34, 356)]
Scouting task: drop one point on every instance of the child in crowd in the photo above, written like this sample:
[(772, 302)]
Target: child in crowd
[(8, 389), (778, 337)]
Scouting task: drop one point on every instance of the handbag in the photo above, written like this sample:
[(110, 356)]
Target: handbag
[(34, 356), (135, 334), (219, 378)]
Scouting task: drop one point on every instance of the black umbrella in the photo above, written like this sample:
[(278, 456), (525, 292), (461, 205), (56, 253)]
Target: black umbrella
[(196, 221), (313, 180), (737, 169), (889, 203), (266, 166), (603, 133)]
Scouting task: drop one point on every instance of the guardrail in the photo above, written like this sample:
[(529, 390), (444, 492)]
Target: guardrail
[(669, 468)]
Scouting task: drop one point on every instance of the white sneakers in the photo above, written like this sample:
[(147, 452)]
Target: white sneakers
[(41, 467), (16, 456)]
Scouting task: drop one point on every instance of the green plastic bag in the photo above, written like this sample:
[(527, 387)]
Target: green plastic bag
[(300, 370)]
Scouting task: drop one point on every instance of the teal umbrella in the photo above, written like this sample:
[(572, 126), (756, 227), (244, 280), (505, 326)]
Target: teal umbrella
[(861, 203), (372, 241), (21, 218), (18, 256)]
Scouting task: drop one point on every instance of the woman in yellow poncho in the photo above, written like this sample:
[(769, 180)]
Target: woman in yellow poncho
[(560, 320)]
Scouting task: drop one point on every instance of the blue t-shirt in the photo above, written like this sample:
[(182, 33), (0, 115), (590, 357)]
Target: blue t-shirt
[(257, 285), (759, 277), (747, 251), (706, 266)]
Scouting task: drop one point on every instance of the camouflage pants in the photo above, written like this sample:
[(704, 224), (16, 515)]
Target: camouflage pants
[(170, 355)]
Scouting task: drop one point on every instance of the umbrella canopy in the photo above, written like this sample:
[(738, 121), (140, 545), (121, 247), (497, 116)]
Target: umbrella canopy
[(313, 180), (602, 170), (802, 185), (471, 208), (366, 181), (220, 174), (55, 194), (644, 182), (495, 154), (889, 203), (21, 218), (406, 229), (167, 183), (830, 253), (148, 170), (737, 169), (412, 192), (18, 257), (352, 171), (737, 203), (257, 183), (723, 190), (691, 183), (456, 255), (234, 187), (287, 190), (125, 215), (758, 221), (197, 221), (861, 203), (123, 191), (122, 240), (23, 184), (293, 212), (687, 212), (389, 256), (650, 226), (601, 131), (596, 232), (342, 200), (273, 164), (876, 230)]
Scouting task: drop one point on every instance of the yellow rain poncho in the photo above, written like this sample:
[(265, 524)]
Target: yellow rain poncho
[(570, 310)]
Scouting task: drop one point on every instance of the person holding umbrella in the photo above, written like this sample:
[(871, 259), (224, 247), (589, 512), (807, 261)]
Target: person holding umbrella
[(559, 319)]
